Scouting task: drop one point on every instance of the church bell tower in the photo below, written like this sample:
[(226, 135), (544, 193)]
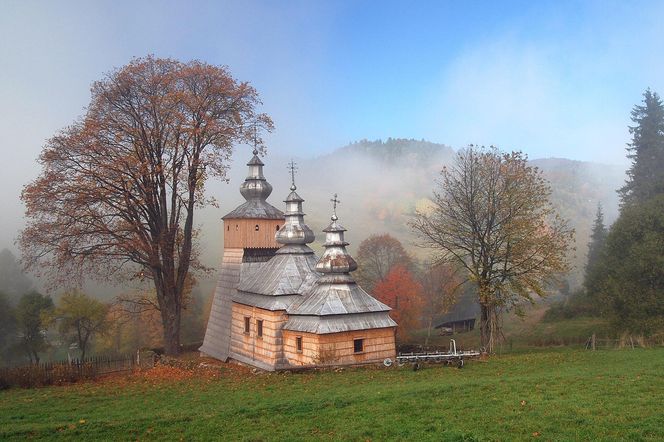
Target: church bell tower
[(252, 226), (249, 236)]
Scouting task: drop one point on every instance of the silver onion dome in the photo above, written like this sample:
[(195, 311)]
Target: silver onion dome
[(335, 259), (255, 189), (294, 230), (255, 186)]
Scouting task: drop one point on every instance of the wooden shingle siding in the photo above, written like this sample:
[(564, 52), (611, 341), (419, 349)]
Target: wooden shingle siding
[(246, 236), (309, 354), (337, 348), (218, 333), (268, 348)]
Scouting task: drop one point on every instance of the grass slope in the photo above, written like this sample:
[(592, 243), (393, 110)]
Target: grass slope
[(563, 394)]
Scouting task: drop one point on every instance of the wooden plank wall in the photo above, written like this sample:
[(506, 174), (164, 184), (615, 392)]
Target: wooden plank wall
[(218, 331), (241, 233), (310, 348), (337, 348), (267, 349)]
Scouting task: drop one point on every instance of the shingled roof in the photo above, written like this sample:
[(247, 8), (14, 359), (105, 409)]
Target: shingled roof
[(337, 299), (281, 275), (259, 209)]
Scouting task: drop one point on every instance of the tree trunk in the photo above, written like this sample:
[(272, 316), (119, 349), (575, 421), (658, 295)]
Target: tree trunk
[(171, 334), (170, 319), (170, 308), (426, 340), (488, 327)]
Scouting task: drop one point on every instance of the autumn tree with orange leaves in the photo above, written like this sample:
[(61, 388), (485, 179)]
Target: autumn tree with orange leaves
[(119, 187), (401, 291)]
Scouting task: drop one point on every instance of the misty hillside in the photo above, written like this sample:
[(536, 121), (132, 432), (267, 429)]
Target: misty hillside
[(395, 151), (379, 185), (381, 182)]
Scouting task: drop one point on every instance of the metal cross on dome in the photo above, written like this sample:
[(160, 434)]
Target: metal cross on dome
[(255, 139), (335, 201), (292, 166)]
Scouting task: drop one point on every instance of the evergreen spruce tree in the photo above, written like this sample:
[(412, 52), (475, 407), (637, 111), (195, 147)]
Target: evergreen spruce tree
[(645, 178), (627, 281), (595, 248), (632, 270)]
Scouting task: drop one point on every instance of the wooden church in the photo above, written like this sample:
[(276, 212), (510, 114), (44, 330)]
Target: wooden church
[(277, 305)]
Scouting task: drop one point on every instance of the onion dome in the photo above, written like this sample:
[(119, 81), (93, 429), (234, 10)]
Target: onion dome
[(335, 303), (255, 186), (294, 231), (335, 259), (255, 189)]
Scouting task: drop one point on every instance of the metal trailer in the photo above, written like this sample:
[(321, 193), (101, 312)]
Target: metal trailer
[(451, 357)]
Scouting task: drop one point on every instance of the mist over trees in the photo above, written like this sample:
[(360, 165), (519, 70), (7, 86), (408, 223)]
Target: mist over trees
[(13, 282), (119, 187), (378, 204), (7, 328)]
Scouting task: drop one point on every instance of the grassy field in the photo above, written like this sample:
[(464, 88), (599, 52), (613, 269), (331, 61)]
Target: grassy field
[(561, 394)]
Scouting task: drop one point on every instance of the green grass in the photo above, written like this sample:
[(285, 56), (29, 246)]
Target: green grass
[(561, 394)]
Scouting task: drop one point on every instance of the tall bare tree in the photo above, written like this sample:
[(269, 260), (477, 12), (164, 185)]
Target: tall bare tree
[(491, 215), (120, 186)]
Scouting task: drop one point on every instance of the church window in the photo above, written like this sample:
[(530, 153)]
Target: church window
[(246, 325), (259, 328), (277, 227), (298, 343), (228, 228), (237, 227), (256, 228), (358, 345)]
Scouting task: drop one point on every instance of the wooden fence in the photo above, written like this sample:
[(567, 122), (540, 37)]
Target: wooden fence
[(624, 341), (50, 373)]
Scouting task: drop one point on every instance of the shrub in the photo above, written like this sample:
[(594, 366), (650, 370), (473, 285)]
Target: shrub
[(578, 304)]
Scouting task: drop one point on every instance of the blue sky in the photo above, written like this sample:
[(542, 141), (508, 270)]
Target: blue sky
[(552, 79), (549, 78)]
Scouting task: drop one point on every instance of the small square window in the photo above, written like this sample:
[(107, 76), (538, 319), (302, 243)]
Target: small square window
[(259, 328), (358, 345), (246, 325), (298, 343)]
